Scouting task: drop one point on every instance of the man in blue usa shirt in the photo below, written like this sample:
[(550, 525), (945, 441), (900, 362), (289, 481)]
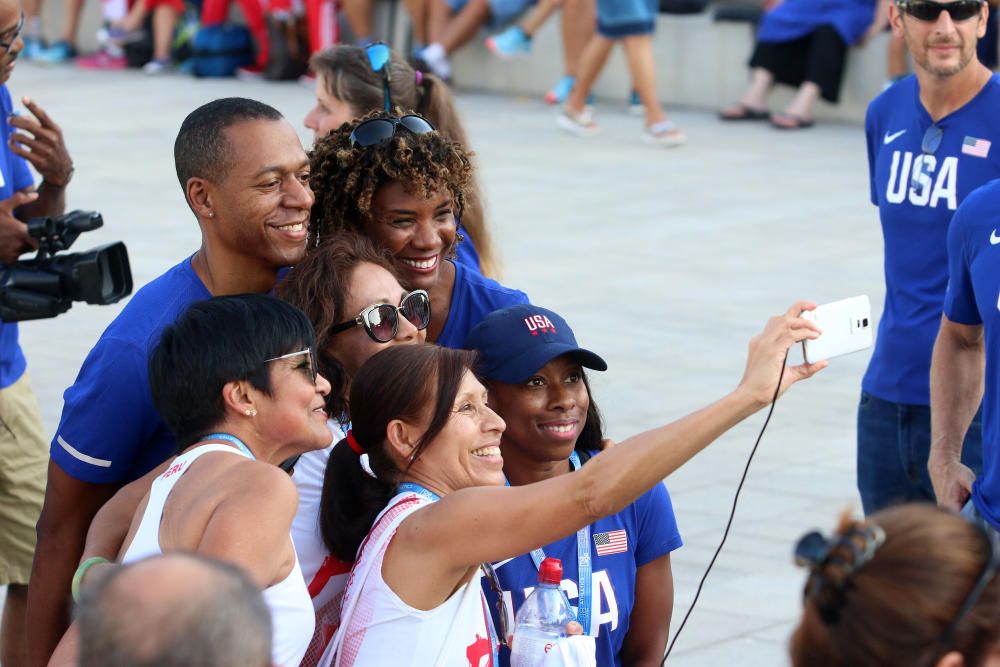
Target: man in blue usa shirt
[(929, 145)]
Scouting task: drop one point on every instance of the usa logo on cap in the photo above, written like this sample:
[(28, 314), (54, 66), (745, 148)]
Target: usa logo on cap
[(537, 323)]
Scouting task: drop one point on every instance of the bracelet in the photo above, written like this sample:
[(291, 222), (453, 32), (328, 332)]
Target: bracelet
[(82, 570)]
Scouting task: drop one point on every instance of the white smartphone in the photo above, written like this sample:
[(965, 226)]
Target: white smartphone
[(846, 325)]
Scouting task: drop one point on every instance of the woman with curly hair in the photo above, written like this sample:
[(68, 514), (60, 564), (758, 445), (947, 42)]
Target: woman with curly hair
[(347, 87), (404, 185)]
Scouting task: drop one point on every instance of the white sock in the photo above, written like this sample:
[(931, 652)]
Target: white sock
[(437, 59)]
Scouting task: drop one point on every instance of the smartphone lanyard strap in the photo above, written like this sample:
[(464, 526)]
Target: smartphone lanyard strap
[(584, 566), (231, 439), (411, 487)]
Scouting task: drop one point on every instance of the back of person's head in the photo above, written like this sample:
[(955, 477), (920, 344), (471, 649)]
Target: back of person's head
[(345, 177), (224, 339), (201, 149), (893, 591), (349, 77), (320, 285), (415, 383), (177, 610)]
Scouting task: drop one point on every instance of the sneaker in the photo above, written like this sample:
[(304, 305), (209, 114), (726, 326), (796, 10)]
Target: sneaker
[(32, 47), (560, 91), (665, 133), (581, 124), (510, 43), (101, 60), (118, 36), (60, 52), (635, 106), (156, 66)]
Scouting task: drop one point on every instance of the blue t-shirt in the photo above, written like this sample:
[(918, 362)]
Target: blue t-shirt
[(473, 298), (14, 176), (915, 222), (466, 253), (650, 532), (793, 19), (972, 299), (110, 431)]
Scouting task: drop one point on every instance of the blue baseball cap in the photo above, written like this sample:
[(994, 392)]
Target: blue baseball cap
[(515, 342)]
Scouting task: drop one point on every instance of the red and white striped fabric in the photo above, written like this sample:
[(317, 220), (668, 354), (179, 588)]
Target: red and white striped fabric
[(377, 628)]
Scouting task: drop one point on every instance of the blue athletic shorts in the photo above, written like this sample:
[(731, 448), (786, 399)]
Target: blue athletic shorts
[(501, 11), (625, 18)]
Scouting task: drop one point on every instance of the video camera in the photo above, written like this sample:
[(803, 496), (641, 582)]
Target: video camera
[(48, 285)]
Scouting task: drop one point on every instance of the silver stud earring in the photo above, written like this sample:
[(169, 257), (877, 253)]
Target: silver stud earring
[(252, 412), (211, 214)]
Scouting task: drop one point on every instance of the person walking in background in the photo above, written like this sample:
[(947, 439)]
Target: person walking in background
[(633, 23)]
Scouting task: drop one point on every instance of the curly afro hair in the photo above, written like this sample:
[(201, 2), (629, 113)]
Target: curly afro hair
[(345, 178)]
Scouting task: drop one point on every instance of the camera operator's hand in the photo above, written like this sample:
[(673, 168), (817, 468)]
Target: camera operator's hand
[(40, 142), (14, 238)]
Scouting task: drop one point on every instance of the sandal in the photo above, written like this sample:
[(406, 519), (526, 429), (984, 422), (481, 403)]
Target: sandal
[(740, 111), (791, 122), (665, 133), (581, 124)]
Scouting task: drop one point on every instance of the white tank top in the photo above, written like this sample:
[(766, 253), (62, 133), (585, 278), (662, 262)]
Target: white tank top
[(292, 615), (324, 573), (378, 629)]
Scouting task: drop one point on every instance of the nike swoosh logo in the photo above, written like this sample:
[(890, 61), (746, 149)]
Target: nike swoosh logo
[(994, 239), (889, 138)]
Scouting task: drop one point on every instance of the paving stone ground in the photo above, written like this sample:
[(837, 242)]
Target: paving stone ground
[(665, 262)]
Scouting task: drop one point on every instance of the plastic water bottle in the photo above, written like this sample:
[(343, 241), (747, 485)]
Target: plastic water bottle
[(541, 620)]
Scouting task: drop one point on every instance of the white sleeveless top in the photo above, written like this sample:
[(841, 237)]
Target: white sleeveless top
[(324, 573), (292, 615), (377, 628)]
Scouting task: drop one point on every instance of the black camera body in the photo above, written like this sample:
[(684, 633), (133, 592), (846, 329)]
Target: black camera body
[(48, 284)]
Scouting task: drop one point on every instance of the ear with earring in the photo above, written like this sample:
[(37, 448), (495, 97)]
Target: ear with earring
[(251, 412)]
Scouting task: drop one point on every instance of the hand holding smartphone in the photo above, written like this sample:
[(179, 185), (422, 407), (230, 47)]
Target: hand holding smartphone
[(846, 326)]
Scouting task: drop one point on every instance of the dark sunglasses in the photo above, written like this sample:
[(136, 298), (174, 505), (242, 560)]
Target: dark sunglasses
[(504, 628), (309, 364), (381, 321), (928, 10), (376, 130), (928, 146), (379, 56)]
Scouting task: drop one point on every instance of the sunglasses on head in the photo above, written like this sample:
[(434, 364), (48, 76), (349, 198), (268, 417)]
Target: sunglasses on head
[(379, 56), (928, 10), (381, 321), (376, 130)]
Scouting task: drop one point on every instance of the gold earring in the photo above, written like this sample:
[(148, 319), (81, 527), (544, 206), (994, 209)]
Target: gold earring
[(252, 412)]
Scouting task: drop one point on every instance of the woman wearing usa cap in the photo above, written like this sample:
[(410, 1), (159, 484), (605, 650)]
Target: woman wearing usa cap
[(427, 508), (617, 569)]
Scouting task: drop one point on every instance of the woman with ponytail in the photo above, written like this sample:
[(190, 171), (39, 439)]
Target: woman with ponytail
[(417, 495), (347, 88)]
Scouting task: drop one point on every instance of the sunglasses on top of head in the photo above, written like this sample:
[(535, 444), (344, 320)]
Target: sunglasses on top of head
[(381, 321), (379, 56), (928, 10), (376, 130)]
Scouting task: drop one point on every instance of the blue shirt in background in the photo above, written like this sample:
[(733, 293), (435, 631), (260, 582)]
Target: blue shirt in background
[(915, 222), (973, 298), (793, 19), (14, 176), (109, 431)]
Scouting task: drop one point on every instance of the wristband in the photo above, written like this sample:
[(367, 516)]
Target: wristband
[(82, 570)]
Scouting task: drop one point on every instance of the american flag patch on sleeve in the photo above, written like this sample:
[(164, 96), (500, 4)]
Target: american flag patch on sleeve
[(976, 147), (613, 542)]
